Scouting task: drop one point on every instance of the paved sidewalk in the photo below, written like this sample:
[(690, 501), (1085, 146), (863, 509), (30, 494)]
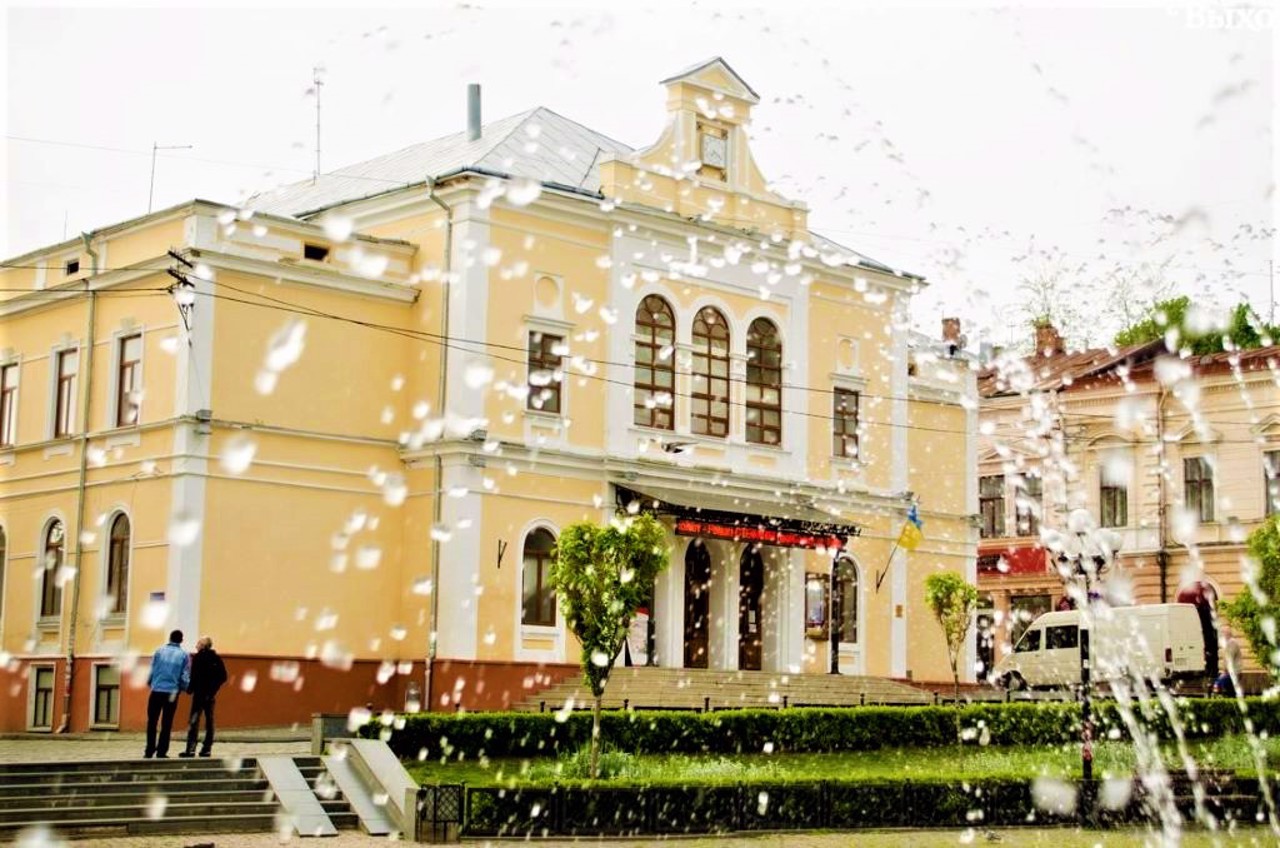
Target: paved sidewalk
[(241, 742)]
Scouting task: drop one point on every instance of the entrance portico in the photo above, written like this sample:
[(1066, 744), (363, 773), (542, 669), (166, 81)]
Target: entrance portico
[(733, 597)]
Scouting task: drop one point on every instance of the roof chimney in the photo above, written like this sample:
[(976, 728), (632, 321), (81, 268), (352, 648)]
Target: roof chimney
[(1049, 341), (473, 111), (950, 329)]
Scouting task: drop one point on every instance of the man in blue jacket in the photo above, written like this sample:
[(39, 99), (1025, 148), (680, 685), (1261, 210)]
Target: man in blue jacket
[(170, 675)]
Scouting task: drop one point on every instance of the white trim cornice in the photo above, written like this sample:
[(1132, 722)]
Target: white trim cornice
[(306, 276)]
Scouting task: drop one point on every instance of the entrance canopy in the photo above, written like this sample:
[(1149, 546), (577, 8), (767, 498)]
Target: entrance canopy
[(722, 515)]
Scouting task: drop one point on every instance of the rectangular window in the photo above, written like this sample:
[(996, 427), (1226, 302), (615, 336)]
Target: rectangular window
[(1115, 505), (1197, 477), (71, 267), (1271, 474), (844, 424), (41, 677), (315, 252), (106, 695), (991, 504), (67, 363), (1062, 636), (546, 371), (1030, 641), (817, 601), (1027, 503), (129, 381), (9, 405)]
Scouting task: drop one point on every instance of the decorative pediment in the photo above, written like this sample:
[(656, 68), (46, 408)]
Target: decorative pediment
[(1191, 435), (717, 77), (1267, 428)]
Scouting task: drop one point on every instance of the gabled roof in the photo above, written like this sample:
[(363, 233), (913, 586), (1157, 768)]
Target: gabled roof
[(714, 60), (1050, 373), (538, 144)]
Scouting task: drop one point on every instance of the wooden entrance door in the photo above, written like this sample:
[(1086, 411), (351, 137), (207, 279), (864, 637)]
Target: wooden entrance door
[(697, 604), (750, 609)]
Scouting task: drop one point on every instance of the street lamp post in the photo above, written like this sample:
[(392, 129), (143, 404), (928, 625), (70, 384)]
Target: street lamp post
[(1084, 552)]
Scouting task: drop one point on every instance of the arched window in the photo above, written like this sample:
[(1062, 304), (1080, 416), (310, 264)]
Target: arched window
[(538, 604), (710, 394), (764, 383), (655, 377), (50, 591), (847, 599), (118, 565)]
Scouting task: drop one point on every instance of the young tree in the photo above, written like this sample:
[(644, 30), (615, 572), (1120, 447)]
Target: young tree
[(1256, 609), (602, 575), (953, 602), (1241, 327)]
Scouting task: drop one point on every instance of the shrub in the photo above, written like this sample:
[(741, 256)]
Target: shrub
[(800, 730)]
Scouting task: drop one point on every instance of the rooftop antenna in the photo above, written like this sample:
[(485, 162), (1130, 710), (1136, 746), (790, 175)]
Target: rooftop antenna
[(316, 82), (151, 194)]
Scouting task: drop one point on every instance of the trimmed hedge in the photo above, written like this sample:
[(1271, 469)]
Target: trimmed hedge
[(798, 730)]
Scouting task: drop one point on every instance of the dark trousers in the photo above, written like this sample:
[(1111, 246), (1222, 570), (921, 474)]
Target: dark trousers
[(200, 705), (160, 708)]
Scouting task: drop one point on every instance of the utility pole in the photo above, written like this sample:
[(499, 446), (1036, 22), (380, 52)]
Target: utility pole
[(154, 147), (316, 82)]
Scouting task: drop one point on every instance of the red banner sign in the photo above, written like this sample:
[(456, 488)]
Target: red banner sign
[(781, 538)]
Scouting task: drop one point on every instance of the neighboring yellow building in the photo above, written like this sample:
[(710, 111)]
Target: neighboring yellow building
[(1178, 454), (340, 431)]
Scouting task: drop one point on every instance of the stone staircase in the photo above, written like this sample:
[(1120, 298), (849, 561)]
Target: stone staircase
[(706, 689), (170, 796)]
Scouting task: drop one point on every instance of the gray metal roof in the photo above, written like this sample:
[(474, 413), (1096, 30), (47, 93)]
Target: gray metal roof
[(538, 144)]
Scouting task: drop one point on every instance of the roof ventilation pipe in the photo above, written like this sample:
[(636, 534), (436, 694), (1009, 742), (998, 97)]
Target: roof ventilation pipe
[(473, 111)]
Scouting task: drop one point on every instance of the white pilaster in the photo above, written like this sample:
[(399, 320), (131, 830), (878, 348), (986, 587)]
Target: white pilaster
[(898, 623)]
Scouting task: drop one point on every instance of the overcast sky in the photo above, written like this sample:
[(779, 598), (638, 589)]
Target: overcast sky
[(975, 146)]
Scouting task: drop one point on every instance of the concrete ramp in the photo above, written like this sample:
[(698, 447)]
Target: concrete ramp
[(297, 798), (375, 818)]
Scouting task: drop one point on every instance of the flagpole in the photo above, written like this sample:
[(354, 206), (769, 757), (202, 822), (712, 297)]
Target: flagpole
[(888, 562)]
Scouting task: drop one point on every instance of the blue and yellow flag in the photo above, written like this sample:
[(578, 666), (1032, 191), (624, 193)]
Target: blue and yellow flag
[(913, 531)]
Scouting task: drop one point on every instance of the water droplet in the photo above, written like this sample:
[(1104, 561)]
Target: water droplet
[(762, 803), (155, 614), (441, 533), (248, 681), (394, 490), (368, 557), (522, 192), (358, 718), (183, 529), (285, 347), (422, 586), (156, 806), (599, 659), (337, 227), (478, 375), (237, 454)]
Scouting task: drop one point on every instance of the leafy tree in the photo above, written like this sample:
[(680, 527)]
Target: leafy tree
[(953, 602), (602, 575), (1244, 328), (1259, 601)]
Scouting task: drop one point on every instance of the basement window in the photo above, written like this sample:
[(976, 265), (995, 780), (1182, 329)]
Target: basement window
[(315, 252), (71, 267), (106, 696)]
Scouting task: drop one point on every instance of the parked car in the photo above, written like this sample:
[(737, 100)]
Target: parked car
[(1158, 642)]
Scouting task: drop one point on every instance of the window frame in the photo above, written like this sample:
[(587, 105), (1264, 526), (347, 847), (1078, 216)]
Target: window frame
[(1270, 481), (4, 566), (703, 397), (1026, 518), (541, 356), (64, 424), (128, 380), (1113, 504), (95, 696), (544, 594), (648, 332), (35, 693), (50, 591), (847, 575), (119, 560), (9, 403), (995, 528), (764, 380), (1198, 491), (841, 430)]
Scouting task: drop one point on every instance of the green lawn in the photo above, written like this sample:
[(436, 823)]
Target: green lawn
[(1110, 759)]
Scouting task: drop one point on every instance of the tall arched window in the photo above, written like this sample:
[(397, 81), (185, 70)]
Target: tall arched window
[(50, 591), (538, 604), (710, 394), (118, 565), (847, 599), (764, 383), (655, 377)]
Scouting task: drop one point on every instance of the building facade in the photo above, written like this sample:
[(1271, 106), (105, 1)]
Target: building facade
[(341, 430), (1177, 453)]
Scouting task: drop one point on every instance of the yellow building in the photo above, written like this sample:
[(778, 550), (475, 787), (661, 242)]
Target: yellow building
[(340, 430), (1178, 454)]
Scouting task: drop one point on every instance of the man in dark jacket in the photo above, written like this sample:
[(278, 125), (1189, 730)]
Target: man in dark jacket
[(207, 676)]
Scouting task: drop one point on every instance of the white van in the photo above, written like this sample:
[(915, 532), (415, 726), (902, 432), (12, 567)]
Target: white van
[(1159, 642)]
